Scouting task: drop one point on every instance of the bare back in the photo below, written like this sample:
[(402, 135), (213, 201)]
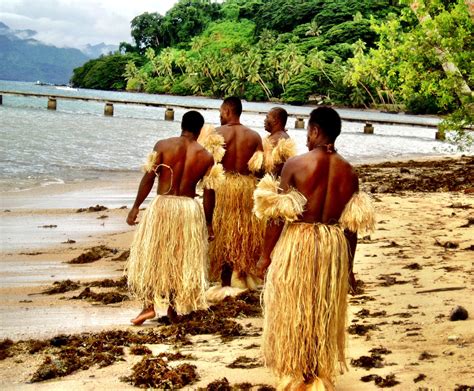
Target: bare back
[(327, 181), (240, 144), (181, 165)]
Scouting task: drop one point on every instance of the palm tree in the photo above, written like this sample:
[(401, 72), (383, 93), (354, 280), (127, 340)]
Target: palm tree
[(314, 30)]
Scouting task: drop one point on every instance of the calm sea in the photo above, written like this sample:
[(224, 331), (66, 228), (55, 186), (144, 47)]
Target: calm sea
[(78, 143)]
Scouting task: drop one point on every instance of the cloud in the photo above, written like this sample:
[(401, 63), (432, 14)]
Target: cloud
[(75, 23)]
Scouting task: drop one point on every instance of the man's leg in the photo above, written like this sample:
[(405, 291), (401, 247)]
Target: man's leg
[(172, 314), (148, 312), (226, 274)]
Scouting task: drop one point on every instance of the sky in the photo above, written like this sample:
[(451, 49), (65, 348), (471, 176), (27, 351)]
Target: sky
[(75, 23)]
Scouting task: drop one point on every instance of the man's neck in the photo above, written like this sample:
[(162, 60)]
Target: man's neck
[(188, 135)]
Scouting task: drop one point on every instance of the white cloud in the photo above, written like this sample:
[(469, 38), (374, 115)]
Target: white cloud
[(75, 23)]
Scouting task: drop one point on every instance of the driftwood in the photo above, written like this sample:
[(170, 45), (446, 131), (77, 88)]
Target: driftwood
[(452, 288)]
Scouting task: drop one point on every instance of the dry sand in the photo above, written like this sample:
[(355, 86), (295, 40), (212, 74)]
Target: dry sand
[(424, 241)]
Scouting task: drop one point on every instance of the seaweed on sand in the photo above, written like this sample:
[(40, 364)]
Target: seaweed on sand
[(154, 372), (93, 254), (245, 362), (61, 287), (5, 345), (104, 298)]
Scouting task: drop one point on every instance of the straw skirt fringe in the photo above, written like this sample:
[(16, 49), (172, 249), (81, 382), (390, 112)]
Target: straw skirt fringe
[(239, 234), (169, 254), (305, 302)]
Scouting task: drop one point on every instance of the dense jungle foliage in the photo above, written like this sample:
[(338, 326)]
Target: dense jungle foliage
[(408, 55)]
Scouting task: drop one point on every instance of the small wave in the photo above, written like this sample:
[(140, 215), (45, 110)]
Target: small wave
[(55, 181)]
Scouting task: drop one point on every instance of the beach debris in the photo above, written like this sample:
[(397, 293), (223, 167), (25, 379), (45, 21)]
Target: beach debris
[(365, 313), (429, 176), (426, 356), (123, 207), (7, 210), (101, 217), (390, 279), (447, 289), (458, 313), (178, 356), (69, 241), (154, 372), (463, 387), (140, 350), (420, 377), (5, 345), (219, 385), (413, 266), (104, 298), (48, 226), (93, 254), (368, 362), (97, 208), (122, 257), (447, 245), (109, 283), (61, 287), (459, 205), (243, 386), (32, 253), (361, 329), (392, 244), (245, 362), (470, 221), (375, 360), (404, 170), (470, 248), (388, 381)]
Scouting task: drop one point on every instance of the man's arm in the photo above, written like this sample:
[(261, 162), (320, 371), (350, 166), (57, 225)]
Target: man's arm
[(274, 227), (146, 184)]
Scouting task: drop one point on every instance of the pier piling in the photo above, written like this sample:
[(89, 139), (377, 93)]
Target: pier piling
[(368, 129), (52, 103), (299, 123), (169, 114), (109, 109), (1, 99)]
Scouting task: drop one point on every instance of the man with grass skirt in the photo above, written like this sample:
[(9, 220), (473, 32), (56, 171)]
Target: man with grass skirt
[(239, 234), (169, 254), (316, 211)]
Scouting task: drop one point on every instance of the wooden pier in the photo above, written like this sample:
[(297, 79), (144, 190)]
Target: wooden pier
[(297, 114)]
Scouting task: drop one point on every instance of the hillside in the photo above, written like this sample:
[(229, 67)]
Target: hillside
[(23, 58)]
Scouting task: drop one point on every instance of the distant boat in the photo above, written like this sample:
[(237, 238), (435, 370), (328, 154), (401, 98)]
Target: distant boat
[(66, 88), (42, 83)]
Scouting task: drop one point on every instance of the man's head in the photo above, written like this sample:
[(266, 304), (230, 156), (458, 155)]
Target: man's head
[(192, 122), (230, 110), (324, 126), (276, 120)]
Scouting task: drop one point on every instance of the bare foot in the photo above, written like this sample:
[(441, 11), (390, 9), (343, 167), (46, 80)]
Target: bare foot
[(147, 313), (172, 315)]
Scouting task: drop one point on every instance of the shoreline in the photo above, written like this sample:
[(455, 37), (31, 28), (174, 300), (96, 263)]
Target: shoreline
[(422, 242)]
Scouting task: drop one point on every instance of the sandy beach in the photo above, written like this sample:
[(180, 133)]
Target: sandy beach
[(414, 270)]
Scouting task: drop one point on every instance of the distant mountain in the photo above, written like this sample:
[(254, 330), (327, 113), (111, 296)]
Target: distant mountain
[(23, 58), (95, 51)]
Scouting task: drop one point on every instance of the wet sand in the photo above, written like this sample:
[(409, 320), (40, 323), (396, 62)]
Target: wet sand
[(424, 241)]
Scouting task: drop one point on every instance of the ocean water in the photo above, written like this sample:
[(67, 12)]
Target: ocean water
[(77, 142)]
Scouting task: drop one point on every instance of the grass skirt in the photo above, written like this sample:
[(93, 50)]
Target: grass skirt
[(169, 254), (305, 302), (239, 234)]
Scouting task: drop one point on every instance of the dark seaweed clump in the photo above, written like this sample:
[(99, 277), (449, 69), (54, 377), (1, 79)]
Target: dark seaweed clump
[(139, 350), (104, 298), (154, 372), (245, 362), (93, 254), (5, 345), (388, 381), (61, 287), (215, 320)]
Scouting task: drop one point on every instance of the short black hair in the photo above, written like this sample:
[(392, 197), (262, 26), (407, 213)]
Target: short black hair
[(281, 114), (234, 104), (192, 121), (328, 120)]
